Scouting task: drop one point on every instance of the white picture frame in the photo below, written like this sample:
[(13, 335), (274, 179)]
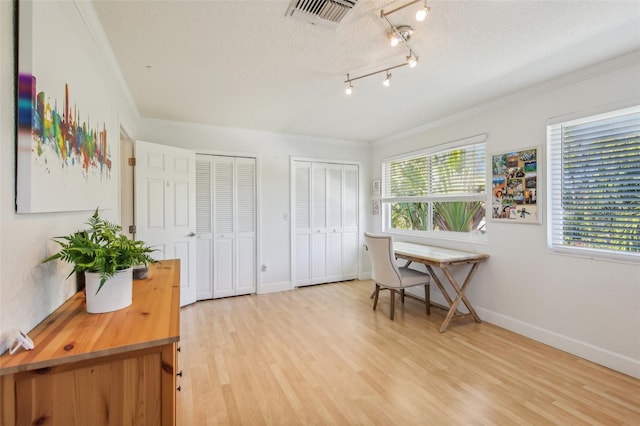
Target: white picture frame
[(375, 207), (375, 187)]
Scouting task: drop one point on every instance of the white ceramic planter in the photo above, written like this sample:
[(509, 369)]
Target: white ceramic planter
[(116, 293)]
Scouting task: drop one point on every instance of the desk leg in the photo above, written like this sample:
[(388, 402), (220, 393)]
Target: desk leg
[(460, 296), (439, 284)]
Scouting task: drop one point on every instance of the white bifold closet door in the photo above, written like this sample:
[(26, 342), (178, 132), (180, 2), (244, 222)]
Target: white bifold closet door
[(325, 222), (225, 226)]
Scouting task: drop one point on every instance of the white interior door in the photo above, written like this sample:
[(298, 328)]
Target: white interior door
[(166, 208)]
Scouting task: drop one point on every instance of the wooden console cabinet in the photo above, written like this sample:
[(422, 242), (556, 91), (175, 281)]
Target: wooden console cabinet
[(117, 368)]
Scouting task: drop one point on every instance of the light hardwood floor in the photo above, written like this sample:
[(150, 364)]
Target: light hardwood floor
[(320, 355)]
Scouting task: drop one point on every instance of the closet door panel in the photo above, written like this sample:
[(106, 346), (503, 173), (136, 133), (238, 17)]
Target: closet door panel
[(350, 223), (246, 226), (334, 222), (350, 199), (349, 255), (223, 227), (318, 257), (334, 198), (302, 259), (223, 194), (204, 275), (223, 268), (319, 197), (319, 223), (246, 260), (204, 236), (334, 256), (301, 254)]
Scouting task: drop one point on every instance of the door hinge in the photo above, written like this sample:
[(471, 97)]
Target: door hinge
[(132, 161), (132, 229)]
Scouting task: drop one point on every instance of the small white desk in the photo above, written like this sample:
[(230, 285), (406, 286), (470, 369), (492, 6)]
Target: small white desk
[(443, 258)]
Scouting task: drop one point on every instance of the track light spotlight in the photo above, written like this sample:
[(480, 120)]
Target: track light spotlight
[(399, 34), (349, 89), (412, 60), (393, 39), (387, 81), (421, 14)]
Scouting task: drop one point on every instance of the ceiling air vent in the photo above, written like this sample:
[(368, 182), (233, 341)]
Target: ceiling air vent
[(325, 12)]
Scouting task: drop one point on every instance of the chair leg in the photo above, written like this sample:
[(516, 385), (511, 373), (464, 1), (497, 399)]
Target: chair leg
[(402, 296), (375, 296), (393, 302), (427, 298)]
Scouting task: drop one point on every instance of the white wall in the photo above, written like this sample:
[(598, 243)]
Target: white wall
[(274, 151), (590, 308), (30, 291)]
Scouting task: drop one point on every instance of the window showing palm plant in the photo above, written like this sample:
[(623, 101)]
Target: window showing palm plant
[(438, 191)]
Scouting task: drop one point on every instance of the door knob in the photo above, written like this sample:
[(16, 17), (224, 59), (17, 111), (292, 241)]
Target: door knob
[(191, 234)]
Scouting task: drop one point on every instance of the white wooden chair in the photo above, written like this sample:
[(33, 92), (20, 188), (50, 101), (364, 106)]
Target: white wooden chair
[(388, 276)]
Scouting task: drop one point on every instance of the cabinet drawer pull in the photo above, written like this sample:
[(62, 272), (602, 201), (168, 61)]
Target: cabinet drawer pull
[(179, 388), (179, 373)]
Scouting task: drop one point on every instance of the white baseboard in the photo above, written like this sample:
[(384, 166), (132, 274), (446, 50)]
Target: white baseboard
[(615, 361), (274, 287)]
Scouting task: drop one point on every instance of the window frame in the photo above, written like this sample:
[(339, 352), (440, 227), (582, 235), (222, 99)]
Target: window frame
[(386, 202), (553, 192)]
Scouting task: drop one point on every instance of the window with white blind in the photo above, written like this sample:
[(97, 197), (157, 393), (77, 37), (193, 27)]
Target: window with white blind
[(436, 190), (594, 185)]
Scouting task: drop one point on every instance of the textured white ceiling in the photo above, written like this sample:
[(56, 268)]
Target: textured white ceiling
[(245, 64)]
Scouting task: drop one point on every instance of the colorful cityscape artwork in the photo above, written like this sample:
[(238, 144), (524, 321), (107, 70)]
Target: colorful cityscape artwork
[(59, 136), (60, 151)]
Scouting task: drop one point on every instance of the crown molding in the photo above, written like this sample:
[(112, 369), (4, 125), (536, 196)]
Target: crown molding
[(94, 27), (619, 62)]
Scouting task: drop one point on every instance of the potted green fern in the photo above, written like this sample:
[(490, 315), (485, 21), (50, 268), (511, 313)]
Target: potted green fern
[(107, 258)]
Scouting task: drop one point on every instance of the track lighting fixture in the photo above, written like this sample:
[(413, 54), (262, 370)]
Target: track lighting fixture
[(396, 35), (387, 81)]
